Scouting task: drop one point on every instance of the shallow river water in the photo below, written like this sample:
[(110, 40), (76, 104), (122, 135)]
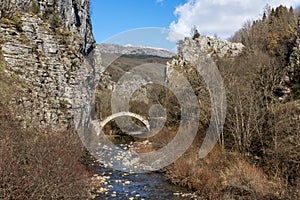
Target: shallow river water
[(129, 185), (122, 185)]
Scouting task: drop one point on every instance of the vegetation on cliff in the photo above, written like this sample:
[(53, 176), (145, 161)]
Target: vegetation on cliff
[(40, 160), (258, 154), (37, 163)]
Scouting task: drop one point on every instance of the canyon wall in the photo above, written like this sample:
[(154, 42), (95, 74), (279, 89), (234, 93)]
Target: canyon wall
[(49, 47)]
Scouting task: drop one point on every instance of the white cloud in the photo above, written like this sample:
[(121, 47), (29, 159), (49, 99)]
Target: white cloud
[(221, 17), (159, 1)]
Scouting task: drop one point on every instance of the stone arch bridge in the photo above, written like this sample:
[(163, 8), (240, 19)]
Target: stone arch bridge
[(122, 114)]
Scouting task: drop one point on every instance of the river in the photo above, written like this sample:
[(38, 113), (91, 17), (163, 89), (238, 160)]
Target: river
[(153, 185), (129, 185)]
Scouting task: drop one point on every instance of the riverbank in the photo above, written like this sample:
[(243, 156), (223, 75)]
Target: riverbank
[(227, 175), (115, 184)]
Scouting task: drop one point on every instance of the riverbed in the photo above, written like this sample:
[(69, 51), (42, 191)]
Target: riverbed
[(153, 185), (129, 185)]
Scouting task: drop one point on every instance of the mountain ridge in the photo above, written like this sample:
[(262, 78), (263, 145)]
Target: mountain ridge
[(134, 50)]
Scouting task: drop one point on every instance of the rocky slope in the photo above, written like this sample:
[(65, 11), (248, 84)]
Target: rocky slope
[(208, 46), (48, 46), (190, 50)]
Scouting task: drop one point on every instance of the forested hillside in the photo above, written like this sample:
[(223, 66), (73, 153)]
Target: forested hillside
[(258, 155)]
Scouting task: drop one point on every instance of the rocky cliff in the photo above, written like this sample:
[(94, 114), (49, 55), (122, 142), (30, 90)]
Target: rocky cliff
[(190, 50), (48, 45), (209, 46), (71, 14)]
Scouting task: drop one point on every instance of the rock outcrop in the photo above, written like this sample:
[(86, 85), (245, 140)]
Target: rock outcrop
[(71, 14), (54, 58), (189, 48)]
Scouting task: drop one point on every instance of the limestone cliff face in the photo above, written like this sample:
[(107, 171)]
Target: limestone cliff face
[(73, 15), (190, 50), (51, 50)]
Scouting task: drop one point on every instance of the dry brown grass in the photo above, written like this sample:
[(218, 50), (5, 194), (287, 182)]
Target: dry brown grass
[(35, 163), (40, 164), (189, 175), (223, 175), (246, 180), (193, 175)]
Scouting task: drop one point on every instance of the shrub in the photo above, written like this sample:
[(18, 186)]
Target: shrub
[(200, 176), (243, 179), (39, 164), (35, 7), (194, 33), (222, 175), (17, 21), (55, 21)]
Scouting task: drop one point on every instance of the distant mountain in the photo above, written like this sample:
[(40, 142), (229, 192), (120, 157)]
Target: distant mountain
[(135, 50)]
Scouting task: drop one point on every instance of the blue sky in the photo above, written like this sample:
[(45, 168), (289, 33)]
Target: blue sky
[(220, 17), (111, 17)]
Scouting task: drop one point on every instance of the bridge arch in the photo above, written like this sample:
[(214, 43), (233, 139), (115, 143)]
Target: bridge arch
[(125, 114)]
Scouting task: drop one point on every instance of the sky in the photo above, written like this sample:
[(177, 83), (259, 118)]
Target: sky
[(164, 22)]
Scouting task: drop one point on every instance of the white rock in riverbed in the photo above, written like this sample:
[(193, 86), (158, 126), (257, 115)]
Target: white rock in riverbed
[(127, 182), (113, 195)]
